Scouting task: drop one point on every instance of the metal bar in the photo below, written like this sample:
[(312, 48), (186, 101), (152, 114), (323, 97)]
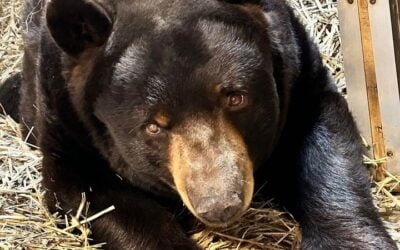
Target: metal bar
[(395, 14)]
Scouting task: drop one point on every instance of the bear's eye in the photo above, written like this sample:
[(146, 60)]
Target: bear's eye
[(153, 129), (237, 101)]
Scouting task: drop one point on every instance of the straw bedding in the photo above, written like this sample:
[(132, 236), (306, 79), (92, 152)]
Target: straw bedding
[(26, 224)]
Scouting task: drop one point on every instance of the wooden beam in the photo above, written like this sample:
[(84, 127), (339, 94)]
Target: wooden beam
[(378, 142)]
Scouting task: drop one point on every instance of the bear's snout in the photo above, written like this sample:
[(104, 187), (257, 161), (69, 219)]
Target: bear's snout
[(212, 170), (216, 193), (216, 209)]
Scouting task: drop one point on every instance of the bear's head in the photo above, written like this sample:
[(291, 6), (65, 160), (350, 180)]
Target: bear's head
[(181, 96)]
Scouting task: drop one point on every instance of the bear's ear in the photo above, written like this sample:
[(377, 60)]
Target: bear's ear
[(281, 26), (77, 25)]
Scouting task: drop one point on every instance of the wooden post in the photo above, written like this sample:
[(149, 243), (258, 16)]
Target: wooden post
[(378, 143), (371, 76)]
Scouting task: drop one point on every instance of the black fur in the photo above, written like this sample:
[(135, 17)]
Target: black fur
[(9, 96), (96, 72)]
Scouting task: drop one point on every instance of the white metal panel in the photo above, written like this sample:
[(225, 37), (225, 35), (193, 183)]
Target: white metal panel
[(354, 66), (385, 63)]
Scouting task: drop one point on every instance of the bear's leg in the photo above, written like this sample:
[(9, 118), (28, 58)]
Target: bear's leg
[(138, 221), (331, 191)]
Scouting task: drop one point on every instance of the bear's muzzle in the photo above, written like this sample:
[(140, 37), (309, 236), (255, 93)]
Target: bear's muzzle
[(212, 171)]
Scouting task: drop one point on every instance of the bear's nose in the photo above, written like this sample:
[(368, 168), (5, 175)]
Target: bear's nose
[(217, 209)]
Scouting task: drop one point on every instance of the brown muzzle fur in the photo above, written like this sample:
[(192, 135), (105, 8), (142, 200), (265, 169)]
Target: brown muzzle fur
[(212, 170)]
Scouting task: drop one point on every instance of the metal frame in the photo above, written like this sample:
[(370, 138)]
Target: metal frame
[(372, 77), (388, 84), (395, 11)]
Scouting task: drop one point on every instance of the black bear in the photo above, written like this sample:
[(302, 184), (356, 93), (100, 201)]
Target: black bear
[(146, 104)]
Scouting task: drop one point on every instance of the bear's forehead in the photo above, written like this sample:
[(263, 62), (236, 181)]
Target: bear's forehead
[(207, 41), (174, 21), (183, 53), (188, 60)]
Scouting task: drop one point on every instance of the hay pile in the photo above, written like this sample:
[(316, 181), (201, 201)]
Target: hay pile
[(387, 198), (10, 38), (321, 20), (24, 221), (26, 224)]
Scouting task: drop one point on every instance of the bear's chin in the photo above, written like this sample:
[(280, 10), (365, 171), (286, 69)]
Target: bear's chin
[(219, 224)]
